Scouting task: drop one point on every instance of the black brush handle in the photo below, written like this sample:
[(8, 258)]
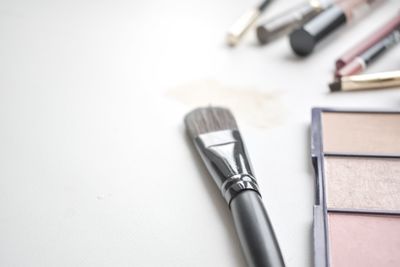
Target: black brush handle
[(255, 231), (264, 5)]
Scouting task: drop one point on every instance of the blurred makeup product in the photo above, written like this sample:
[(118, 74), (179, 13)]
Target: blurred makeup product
[(356, 157), (218, 141), (374, 38), (290, 19), (244, 23), (304, 39), (360, 63), (380, 80)]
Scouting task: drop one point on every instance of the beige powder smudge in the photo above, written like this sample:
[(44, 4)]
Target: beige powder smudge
[(258, 109)]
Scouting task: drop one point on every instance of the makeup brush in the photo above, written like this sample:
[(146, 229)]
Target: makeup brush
[(304, 39), (366, 81), (244, 23), (290, 19), (218, 141), (368, 42), (361, 62)]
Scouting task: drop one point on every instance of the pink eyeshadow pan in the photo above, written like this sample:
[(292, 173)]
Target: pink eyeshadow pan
[(364, 240)]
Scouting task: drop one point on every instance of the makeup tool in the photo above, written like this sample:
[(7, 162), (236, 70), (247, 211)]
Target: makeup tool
[(370, 41), (360, 63), (290, 19), (244, 23), (304, 39), (218, 141), (366, 81), (356, 157)]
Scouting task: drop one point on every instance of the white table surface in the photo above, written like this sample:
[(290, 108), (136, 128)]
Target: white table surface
[(95, 167)]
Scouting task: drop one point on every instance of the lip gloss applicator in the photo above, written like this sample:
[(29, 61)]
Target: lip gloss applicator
[(218, 141)]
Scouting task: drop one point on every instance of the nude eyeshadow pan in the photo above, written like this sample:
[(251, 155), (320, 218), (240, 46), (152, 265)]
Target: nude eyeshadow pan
[(361, 133)]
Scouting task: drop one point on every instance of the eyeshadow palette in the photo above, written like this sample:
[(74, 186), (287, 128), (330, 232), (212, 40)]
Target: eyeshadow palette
[(356, 158)]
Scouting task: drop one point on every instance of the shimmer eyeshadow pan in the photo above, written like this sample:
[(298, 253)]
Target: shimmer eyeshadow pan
[(362, 183), (356, 157)]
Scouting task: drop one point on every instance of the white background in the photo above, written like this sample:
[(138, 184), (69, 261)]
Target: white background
[(95, 167)]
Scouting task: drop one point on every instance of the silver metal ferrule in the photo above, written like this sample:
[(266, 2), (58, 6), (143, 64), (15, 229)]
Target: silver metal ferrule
[(225, 157)]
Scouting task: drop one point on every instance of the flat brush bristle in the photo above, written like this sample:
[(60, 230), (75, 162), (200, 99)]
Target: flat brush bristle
[(335, 86), (210, 119)]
